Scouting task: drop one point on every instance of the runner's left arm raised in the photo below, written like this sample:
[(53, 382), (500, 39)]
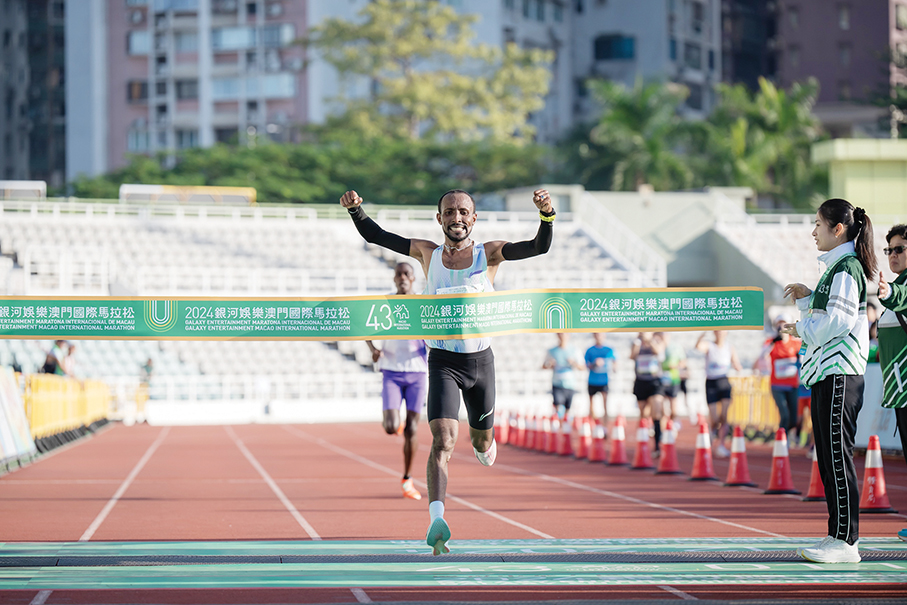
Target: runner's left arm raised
[(499, 251)]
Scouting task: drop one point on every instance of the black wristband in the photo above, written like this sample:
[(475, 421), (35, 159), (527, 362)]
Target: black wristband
[(357, 213), (549, 214)]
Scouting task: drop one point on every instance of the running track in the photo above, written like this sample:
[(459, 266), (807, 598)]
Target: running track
[(320, 506)]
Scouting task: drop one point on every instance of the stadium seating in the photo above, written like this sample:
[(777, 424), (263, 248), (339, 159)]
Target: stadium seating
[(99, 249)]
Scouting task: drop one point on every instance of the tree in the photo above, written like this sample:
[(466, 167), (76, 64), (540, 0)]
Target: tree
[(428, 77), (638, 138), (763, 141)]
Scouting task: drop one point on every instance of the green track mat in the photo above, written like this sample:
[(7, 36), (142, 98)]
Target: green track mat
[(149, 565)]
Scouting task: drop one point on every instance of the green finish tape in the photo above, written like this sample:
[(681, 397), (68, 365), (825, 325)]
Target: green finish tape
[(454, 316)]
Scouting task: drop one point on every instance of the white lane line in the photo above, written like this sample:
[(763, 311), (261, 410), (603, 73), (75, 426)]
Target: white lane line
[(678, 593), (123, 487), (41, 597), (393, 473), (360, 595), (273, 485), (602, 492)]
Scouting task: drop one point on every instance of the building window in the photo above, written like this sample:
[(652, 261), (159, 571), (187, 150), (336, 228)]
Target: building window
[(509, 4), (614, 46), (138, 141), (579, 6), (697, 17), (251, 8), (844, 16), (526, 8), (793, 54), (138, 43), (186, 42), (694, 101), (844, 90), (844, 54), (509, 35), (900, 16), (793, 17), (160, 88), (137, 91), (672, 49), (226, 135), (186, 139), (540, 10), (711, 60), (186, 89), (692, 56), (581, 89), (558, 13), (233, 38), (278, 35)]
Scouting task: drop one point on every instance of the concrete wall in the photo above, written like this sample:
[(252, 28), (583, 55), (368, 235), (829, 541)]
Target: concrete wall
[(871, 173)]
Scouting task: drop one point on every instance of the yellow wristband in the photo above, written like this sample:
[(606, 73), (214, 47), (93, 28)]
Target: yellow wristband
[(547, 219)]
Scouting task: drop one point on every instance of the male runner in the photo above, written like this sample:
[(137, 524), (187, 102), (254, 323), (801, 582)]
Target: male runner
[(465, 366), (403, 364)]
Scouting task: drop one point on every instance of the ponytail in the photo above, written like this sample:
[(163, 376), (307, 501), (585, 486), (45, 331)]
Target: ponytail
[(858, 228)]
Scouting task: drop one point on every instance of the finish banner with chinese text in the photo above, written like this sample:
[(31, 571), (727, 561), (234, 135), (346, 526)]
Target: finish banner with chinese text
[(451, 316)]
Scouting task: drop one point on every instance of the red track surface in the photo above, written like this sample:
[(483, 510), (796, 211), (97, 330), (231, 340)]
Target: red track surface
[(198, 484)]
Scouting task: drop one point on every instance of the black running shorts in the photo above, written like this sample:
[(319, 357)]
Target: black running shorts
[(472, 374)]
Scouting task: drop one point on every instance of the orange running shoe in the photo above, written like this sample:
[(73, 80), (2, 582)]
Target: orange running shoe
[(400, 429), (409, 491)]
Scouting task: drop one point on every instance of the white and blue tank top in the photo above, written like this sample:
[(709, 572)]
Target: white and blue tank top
[(441, 280)]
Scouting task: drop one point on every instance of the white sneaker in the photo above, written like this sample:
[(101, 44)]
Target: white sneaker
[(721, 451), (818, 544), (832, 551), (487, 458)]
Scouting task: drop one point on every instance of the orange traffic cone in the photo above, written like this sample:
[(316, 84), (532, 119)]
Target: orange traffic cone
[(816, 491), (518, 431), (543, 434), (584, 442), (554, 428), (875, 497), (780, 481), (529, 441), (597, 449), (618, 455), (702, 461), (501, 429), (565, 440), (667, 464), (738, 473), (643, 457)]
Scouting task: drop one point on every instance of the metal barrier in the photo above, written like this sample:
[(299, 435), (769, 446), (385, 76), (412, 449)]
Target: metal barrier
[(752, 404), (54, 404)]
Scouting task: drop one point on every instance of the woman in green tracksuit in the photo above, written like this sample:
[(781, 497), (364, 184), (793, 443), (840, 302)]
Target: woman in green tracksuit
[(893, 334), (835, 334)]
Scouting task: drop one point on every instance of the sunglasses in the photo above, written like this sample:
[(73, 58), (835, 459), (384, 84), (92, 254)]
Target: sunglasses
[(894, 250)]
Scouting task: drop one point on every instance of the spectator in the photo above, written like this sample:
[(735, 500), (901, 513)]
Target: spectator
[(564, 360), (720, 357), (648, 353), (600, 363), (146, 371), (893, 334)]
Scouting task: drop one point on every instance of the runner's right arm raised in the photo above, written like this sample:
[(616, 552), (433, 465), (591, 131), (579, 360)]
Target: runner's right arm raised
[(374, 234)]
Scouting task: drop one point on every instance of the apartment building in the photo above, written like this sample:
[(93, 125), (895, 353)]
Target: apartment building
[(165, 75), (849, 46), (14, 79)]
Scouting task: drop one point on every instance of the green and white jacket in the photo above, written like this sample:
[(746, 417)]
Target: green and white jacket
[(833, 322), (893, 345)]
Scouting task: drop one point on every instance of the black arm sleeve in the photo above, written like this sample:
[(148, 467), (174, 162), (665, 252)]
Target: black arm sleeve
[(530, 248), (373, 234)]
